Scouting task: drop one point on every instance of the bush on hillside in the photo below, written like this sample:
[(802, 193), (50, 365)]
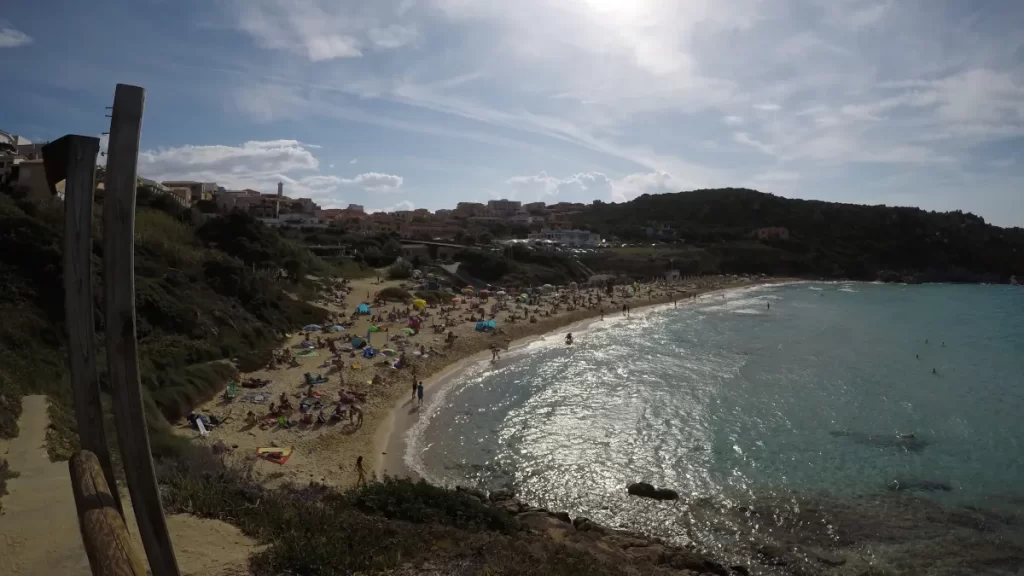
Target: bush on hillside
[(317, 531), (434, 297), (393, 293), (400, 270)]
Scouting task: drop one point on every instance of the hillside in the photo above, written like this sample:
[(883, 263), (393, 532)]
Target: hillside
[(824, 238), (205, 292)]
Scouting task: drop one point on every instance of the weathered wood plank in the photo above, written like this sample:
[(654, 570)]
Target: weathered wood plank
[(104, 534), (122, 347), (78, 153)]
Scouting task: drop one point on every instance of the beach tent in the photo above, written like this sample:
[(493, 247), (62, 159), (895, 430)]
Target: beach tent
[(369, 352), (358, 342), (363, 308), (408, 331), (312, 328), (337, 328), (419, 303), (522, 297), (486, 325), (388, 352)]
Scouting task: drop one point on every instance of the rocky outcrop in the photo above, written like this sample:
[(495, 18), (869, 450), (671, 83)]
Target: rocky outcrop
[(646, 490), (616, 546)]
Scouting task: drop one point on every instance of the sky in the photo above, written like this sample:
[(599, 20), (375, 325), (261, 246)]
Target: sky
[(395, 104)]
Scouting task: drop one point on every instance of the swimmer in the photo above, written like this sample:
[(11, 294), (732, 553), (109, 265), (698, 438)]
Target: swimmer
[(568, 339)]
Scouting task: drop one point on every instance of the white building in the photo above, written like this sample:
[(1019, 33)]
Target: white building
[(567, 237)]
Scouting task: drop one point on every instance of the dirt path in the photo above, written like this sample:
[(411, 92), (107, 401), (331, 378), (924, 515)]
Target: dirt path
[(39, 527)]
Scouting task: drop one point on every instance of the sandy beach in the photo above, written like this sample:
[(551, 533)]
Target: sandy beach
[(327, 453)]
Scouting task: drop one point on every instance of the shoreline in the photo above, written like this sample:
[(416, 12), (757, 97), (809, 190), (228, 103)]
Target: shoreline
[(390, 437)]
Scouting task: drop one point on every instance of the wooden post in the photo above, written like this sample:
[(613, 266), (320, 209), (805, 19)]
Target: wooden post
[(104, 534), (122, 348), (77, 156)]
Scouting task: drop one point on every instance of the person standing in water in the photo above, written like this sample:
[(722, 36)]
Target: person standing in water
[(568, 339)]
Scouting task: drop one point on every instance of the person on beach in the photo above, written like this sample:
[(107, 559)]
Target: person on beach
[(419, 393), (568, 339), (494, 353), (361, 480), (414, 387)]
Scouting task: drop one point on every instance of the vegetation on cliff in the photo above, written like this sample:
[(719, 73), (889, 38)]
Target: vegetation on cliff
[(206, 290), (826, 239)]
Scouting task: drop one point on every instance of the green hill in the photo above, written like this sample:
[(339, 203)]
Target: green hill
[(823, 238), (206, 291)]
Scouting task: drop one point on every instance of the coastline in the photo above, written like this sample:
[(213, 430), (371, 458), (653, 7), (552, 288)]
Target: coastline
[(390, 438)]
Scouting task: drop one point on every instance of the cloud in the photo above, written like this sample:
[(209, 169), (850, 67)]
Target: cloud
[(591, 185), (353, 161), (376, 182), (540, 185), (260, 165), (732, 120), (767, 107), (868, 16), (321, 31), (393, 36), (403, 205), (11, 37)]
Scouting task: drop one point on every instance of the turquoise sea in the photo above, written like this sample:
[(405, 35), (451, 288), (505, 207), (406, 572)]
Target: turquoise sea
[(786, 416)]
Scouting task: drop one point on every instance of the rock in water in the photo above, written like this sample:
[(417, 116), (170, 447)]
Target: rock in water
[(666, 494), (641, 489), (645, 490)]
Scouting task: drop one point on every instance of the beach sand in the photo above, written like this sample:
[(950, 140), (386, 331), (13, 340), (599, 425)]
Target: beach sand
[(39, 531), (327, 453)]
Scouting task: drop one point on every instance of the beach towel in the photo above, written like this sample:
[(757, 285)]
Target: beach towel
[(307, 354), (201, 427), (274, 454), (256, 398)]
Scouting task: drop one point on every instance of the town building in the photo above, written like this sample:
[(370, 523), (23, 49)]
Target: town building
[(469, 209), (504, 208), (197, 190)]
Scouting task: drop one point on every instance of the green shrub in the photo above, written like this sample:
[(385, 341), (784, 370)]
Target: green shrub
[(403, 499), (434, 296), (393, 293), (400, 270)]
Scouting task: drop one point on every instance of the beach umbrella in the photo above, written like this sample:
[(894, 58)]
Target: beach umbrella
[(456, 300), (467, 290), (337, 328), (363, 308), (312, 328), (485, 293), (501, 293), (408, 331), (388, 352), (419, 303)]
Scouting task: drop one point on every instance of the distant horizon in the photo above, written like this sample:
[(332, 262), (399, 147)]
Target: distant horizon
[(401, 104)]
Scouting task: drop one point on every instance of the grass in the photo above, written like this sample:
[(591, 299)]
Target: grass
[(394, 525)]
